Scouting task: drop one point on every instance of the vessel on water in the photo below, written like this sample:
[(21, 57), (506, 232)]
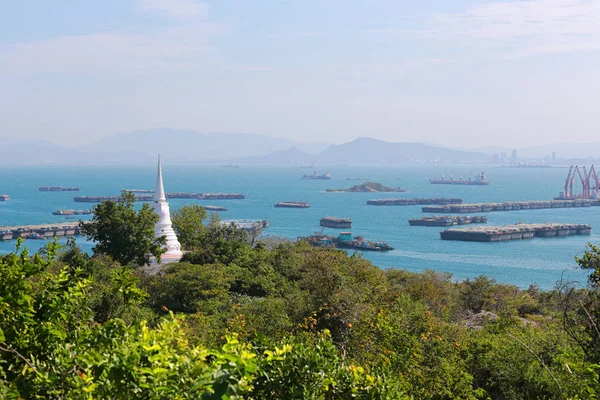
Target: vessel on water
[(4, 197), (292, 204), (71, 212), (315, 175), (442, 220), (214, 208), (308, 166), (6, 234), (345, 240), (139, 190), (57, 189), (247, 224), (358, 179), (333, 222), (230, 166), (480, 180)]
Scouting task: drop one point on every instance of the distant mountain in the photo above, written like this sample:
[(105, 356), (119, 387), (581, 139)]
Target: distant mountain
[(194, 146), (20, 152), (372, 151), (369, 150)]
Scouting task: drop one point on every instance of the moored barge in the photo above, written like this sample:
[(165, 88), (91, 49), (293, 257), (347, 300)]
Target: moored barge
[(71, 212), (292, 204), (333, 222), (57, 189), (510, 206), (214, 208), (442, 220), (345, 240), (412, 202), (514, 232)]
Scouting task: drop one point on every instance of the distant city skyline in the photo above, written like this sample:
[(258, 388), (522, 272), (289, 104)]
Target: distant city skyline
[(460, 74)]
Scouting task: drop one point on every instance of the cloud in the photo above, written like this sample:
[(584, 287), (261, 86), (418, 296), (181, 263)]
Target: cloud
[(161, 50), (521, 28), (180, 9)]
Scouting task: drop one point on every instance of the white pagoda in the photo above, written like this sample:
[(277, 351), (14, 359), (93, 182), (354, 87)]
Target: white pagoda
[(163, 227)]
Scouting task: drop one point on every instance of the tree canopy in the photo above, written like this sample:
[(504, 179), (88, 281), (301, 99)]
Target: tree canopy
[(121, 232)]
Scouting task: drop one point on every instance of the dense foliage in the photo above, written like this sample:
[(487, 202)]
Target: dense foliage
[(234, 320), (123, 233)]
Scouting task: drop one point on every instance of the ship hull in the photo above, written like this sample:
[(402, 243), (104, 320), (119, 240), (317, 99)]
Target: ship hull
[(467, 183)]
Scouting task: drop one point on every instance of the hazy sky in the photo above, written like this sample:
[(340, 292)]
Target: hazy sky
[(452, 72)]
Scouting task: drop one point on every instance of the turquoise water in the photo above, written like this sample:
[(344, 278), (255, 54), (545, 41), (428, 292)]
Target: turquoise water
[(541, 261)]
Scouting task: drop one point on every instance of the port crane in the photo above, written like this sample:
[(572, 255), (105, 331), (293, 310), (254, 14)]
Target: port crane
[(587, 178)]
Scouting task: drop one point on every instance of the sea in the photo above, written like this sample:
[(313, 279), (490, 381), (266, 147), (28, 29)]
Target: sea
[(543, 262)]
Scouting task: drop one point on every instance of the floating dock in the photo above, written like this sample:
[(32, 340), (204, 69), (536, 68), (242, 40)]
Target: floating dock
[(412, 202), (514, 232), (510, 206), (57, 189), (72, 212), (442, 220), (39, 231), (292, 204), (172, 195), (333, 222), (214, 208)]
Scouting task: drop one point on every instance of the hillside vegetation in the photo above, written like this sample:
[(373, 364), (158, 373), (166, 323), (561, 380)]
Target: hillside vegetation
[(285, 321), (369, 187)]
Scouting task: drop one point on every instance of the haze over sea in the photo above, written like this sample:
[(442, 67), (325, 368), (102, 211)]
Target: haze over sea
[(521, 262)]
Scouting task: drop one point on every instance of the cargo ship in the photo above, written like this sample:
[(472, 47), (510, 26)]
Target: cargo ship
[(57, 189), (4, 197), (315, 175), (230, 166), (345, 240), (480, 180), (71, 212), (292, 204), (442, 220), (333, 222)]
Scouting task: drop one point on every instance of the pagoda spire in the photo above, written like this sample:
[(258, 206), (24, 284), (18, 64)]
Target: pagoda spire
[(159, 192), (163, 226)]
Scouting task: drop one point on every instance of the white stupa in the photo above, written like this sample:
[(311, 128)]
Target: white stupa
[(163, 227)]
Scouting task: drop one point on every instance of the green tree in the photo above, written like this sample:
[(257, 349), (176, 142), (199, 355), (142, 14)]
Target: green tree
[(188, 224), (123, 233)]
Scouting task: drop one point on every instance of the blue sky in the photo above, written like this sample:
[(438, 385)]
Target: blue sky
[(453, 72)]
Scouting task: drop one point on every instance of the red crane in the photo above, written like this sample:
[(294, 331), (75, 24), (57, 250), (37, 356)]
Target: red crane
[(586, 183)]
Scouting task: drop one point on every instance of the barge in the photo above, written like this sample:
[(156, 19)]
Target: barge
[(214, 208), (57, 189), (480, 180), (441, 220), (412, 202), (4, 197), (138, 190), (292, 204), (345, 240), (72, 212), (333, 222), (39, 231), (509, 206), (514, 232), (248, 225), (172, 195)]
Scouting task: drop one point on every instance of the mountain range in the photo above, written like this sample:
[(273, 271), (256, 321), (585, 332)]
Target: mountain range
[(189, 146)]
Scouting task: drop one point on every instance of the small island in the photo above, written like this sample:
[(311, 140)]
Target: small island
[(369, 187)]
